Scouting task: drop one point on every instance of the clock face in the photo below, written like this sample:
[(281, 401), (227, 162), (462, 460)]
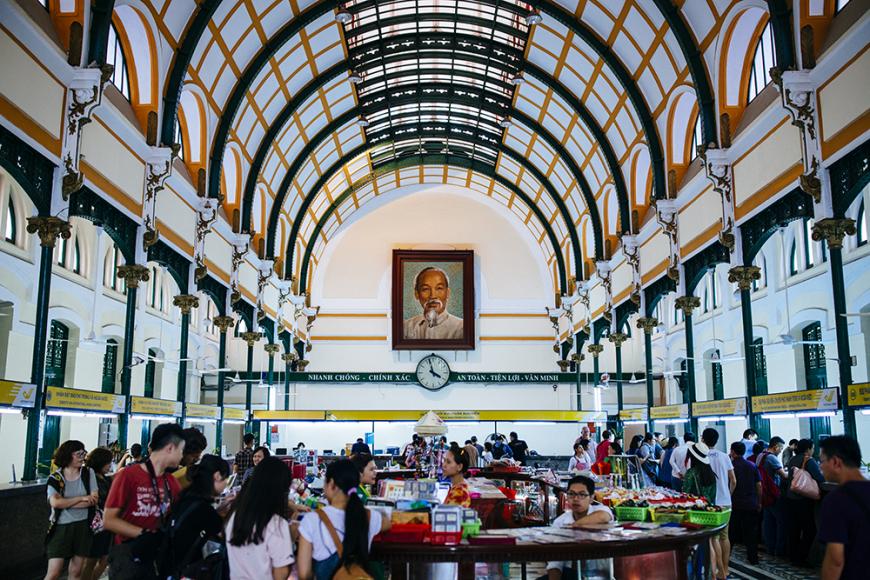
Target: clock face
[(433, 372)]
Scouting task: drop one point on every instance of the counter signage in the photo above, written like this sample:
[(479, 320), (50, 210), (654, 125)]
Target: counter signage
[(80, 400), (235, 414), (147, 406), (809, 400), (670, 412), (640, 414), (724, 407), (859, 395), (17, 394), (202, 411), (455, 377)]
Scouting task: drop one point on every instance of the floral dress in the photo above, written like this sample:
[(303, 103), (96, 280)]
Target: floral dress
[(458, 495)]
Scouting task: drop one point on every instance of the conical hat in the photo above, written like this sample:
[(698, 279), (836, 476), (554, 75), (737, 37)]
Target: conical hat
[(430, 424)]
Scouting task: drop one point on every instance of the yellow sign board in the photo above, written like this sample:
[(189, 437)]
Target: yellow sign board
[(809, 400), (670, 412), (147, 406), (446, 415), (80, 400), (235, 414), (14, 394), (196, 411), (859, 395), (286, 415), (724, 407), (640, 414)]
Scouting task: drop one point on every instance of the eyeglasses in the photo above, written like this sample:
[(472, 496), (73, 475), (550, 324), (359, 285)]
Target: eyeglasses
[(80, 454), (577, 495)]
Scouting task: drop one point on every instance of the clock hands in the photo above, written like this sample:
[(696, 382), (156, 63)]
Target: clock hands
[(432, 371)]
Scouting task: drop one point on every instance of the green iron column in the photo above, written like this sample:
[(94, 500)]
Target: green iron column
[(832, 231), (185, 302), (271, 349), (132, 274), (744, 276), (687, 304), (647, 324), (595, 350), (223, 323), (48, 228), (251, 338), (289, 358), (617, 338)]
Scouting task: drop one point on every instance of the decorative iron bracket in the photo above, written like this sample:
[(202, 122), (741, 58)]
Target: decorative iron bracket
[(158, 167), (206, 215), (720, 173), (667, 217)]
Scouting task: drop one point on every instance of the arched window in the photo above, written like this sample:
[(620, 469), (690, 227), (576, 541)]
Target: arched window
[(110, 365), (711, 292), (763, 60), (761, 282), (793, 265), (115, 57), (77, 258), (11, 228), (110, 270), (152, 295), (60, 250), (150, 373), (862, 226), (679, 315), (697, 137), (809, 258), (55, 354)]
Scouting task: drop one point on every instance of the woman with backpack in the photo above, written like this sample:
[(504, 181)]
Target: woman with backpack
[(258, 534), (334, 542), (800, 508), (99, 461), (73, 496), (194, 520)]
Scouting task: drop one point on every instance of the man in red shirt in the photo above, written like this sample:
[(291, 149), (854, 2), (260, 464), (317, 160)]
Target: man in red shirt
[(138, 503), (603, 447)]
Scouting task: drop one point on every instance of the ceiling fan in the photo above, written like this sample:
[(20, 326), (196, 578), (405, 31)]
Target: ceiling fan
[(786, 338)]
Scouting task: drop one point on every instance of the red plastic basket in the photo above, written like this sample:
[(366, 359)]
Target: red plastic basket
[(445, 538), (405, 534)]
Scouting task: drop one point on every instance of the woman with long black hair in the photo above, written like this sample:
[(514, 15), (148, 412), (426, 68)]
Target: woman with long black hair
[(700, 480), (341, 533), (258, 534)]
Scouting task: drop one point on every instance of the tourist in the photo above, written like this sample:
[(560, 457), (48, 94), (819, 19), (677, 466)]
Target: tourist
[(749, 438), (134, 455), (518, 448), (73, 497), (194, 521), (473, 456), (486, 456), (789, 451), (666, 470), (368, 474), (679, 459), (582, 512), (646, 455), (138, 504), (658, 439), (723, 469), (500, 449), (455, 466), (603, 449), (100, 462), (745, 502), (345, 522), (360, 447), (773, 525), (194, 444), (700, 480), (245, 457), (257, 531), (476, 444), (580, 461), (260, 453), (845, 511), (800, 511)]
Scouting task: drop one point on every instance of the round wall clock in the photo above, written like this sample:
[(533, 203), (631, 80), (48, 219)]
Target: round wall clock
[(433, 372)]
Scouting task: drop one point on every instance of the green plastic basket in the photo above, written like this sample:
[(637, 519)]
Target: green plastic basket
[(631, 514), (667, 518), (471, 530), (704, 518)]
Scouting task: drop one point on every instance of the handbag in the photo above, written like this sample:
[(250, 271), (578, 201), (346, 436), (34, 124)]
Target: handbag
[(802, 483), (342, 572)]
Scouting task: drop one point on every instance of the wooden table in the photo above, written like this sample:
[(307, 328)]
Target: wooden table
[(650, 558)]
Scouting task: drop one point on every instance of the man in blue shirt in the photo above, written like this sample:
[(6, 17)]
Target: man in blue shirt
[(774, 527)]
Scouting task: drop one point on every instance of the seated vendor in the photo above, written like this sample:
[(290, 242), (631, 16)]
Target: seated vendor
[(454, 467), (581, 491)]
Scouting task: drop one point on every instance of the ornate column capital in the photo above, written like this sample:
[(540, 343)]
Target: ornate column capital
[(301, 365), (289, 357), (595, 349), (224, 323), (251, 337), (687, 304), (48, 228), (563, 365), (133, 274), (186, 302), (647, 324), (617, 338), (744, 276), (272, 348), (576, 358), (833, 230)]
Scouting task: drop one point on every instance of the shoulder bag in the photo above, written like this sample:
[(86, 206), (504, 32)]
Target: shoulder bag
[(342, 572), (802, 483)]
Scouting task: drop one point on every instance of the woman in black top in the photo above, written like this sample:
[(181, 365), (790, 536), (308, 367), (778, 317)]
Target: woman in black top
[(100, 461), (801, 510), (194, 519)]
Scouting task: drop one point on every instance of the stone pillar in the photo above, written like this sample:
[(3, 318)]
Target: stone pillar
[(185, 302), (223, 323)]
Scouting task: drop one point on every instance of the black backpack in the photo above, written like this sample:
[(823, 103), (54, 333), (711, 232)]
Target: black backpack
[(192, 564)]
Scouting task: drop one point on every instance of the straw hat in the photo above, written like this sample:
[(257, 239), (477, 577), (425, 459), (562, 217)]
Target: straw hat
[(701, 452)]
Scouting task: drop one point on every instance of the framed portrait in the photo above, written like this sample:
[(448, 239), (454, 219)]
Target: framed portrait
[(433, 300)]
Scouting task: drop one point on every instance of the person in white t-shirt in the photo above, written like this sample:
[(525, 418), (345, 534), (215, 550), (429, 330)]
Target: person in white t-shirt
[(355, 525), (581, 491), (721, 465), (678, 461), (258, 536), (750, 436)]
